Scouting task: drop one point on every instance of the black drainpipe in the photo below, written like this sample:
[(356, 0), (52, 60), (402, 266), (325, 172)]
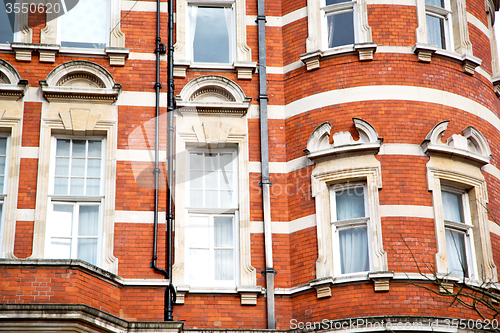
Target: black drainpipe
[(159, 50)]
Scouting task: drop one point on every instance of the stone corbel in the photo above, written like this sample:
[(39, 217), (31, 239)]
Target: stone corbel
[(365, 50), (47, 52), (381, 280), (117, 55), (180, 293), (424, 52), (496, 84), (470, 63), (323, 287), (180, 68), (311, 60), (249, 294), (245, 69), (446, 287), (23, 51)]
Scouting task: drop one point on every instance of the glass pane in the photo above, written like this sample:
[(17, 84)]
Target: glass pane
[(457, 259), (87, 250), (62, 166), (3, 145), (226, 180), (61, 221), (196, 179), (199, 264), (79, 148), (354, 250), (211, 35), (211, 199), (61, 186), (86, 25), (340, 29), (6, 31), (211, 162), (77, 186), (78, 167), (223, 231), (437, 3), (95, 148), (226, 162), (226, 198), (332, 2), (196, 198), (198, 232), (2, 183), (93, 168), (62, 147), (211, 180), (224, 264), (452, 207), (435, 31), (88, 220), (350, 203), (93, 186), (60, 248), (196, 161)]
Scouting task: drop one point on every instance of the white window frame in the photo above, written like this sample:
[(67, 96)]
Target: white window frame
[(465, 228), (348, 224), (338, 8), (3, 193), (211, 213), (76, 200), (443, 13), (232, 33)]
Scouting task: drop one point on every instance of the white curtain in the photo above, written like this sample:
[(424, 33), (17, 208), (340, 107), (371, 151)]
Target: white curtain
[(452, 206), (350, 203), (354, 250), (457, 260), (223, 248), (88, 227), (193, 16), (228, 12)]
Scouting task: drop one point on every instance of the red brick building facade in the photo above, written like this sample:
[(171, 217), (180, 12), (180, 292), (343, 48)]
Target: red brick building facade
[(384, 158)]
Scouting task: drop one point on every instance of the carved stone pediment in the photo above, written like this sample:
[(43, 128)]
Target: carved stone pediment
[(11, 85)]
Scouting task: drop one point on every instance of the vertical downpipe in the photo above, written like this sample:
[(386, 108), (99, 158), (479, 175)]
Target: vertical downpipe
[(265, 183)]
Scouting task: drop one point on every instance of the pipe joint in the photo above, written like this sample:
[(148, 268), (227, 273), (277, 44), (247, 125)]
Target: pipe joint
[(263, 96), (265, 182), (156, 171), (261, 18), (268, 271), (157, 85)]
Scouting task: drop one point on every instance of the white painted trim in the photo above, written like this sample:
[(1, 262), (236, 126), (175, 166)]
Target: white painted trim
[(25, 215), (257, 227), (136, 98), (142, 6), (136, 155), (492, 170), (280, 21), (145, 282), (401, 149), (281, 167), (131, 216), (144, 56), (425, 212), (494, 227), (478, 24), (285, 69), (390, 92), (392, 2), (29, 152), (394, 49), (482, 72)]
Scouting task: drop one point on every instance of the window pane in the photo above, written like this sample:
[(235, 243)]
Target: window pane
[(93, 186), (60, 248), (340, 29), (211, 35), (198, 232), (6, 31), (435, 31), (62, 147), (350, 203), (199, 264), (196, 161), (457, 259), (437, 3), (211, 180), (226, 162), (78, 167), (61, 221), (93, 168), (353, 250), (3, 146), (333, 2), (196, 179), (224, 264), (452, 207), (211, 162), (226, 180), (86, 25), (61, 186), (79, 147), (77, 186), (226, 198), (62, 166), (88, 220), (196, 198), (95, 148), (212, 199), (87, 250), (223, 231)]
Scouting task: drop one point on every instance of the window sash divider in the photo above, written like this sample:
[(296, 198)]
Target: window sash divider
[(212, 211), (358, 222), (210, 3), (339, 7), (77, 198), (3, 196), (456, 226), (430, 9)]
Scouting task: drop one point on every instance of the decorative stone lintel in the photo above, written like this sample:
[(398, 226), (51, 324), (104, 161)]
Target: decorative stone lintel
[(381, 280), (100, 95), (180, 68), (23, 51), (245, 69), (117, 55), (446, 287), (470, 63), (180, 293), (424, 52), (249, 294), (323, 287), (47, 52), (12, 92), (228, 108), (496, 84), (365, 50), (311, 60)]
